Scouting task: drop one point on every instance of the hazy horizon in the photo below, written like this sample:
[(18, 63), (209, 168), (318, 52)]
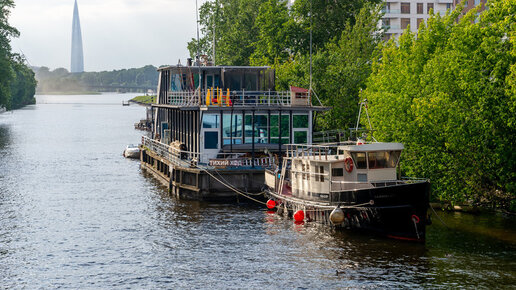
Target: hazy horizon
[(117, 34)]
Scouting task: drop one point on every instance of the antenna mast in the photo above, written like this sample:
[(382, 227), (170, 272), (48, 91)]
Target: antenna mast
[(215, 31), (198, 58), (310, 90)]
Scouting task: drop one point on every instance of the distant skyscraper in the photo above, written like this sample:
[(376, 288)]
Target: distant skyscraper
[(77, 56)]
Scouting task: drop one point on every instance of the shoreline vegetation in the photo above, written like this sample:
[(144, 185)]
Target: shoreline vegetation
[(447, 92), (144, 100), (141, 80), (17, 80)]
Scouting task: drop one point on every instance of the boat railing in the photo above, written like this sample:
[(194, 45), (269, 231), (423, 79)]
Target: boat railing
[(313, 152), (186, 158), (227, 98), (339, 185), (170, 153), (341, 136), (183, 98)]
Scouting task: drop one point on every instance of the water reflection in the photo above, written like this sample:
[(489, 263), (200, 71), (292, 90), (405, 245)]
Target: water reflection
[(4, 136)]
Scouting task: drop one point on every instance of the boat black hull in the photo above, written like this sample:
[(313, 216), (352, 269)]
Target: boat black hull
[(398, 211)]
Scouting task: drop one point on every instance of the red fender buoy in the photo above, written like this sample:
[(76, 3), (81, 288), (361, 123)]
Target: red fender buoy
[(271, 204), (299, 216), (415, 218)]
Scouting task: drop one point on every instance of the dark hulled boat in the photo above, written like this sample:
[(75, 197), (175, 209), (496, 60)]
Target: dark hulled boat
[(351, 186)]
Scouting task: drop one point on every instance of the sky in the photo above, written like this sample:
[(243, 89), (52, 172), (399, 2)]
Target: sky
[(116, 34)]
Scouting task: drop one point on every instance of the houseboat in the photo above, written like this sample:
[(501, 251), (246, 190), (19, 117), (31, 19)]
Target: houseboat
[(216, 129), (350, 185)]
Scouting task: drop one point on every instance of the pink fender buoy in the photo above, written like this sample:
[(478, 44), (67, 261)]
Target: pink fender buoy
[(299, 216), (271, 204)]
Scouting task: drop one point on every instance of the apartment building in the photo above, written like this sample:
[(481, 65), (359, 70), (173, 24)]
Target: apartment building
[(400, 14)]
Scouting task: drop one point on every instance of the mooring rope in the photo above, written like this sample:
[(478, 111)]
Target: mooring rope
[(232, 187), (438, 217)]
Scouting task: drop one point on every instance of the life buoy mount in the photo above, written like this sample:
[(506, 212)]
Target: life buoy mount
[(348, 164)]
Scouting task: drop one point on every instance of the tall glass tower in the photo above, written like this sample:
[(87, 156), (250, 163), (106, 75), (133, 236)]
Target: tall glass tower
[(77, 56)]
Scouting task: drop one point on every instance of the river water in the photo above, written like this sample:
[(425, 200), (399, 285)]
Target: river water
[(74, 213)]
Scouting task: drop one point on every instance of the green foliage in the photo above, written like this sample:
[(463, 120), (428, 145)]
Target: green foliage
[(277, 34), (266, 32), (340, 70), (17, 81), (24, 84), (60, 80), (144, 99), (231, 23), (448, 95), (329, 19)]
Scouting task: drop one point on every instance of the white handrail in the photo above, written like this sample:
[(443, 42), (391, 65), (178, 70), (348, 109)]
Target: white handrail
[(187, 158)]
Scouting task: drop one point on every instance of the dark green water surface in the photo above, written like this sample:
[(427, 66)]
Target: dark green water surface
[(74, 213)]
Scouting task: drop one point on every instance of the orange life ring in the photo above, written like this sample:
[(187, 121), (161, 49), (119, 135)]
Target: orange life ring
[(348, 164)]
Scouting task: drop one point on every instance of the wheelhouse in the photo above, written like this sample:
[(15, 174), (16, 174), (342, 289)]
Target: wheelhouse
[(317, 171)]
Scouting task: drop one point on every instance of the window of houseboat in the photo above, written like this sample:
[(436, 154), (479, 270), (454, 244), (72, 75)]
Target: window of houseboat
[(360, 160), (211, 125), (180, 82), (319, 173), (392, 158), (195, 78), (285, 129), (233, 81), (211, 121), (300, 128), (300, 121), (383, 159), (337, 172), (261, 130), (211, 140), (232, 128), (212, 81), (251, 81)]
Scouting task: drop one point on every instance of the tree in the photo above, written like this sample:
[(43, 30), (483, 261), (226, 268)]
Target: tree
[(340, 69), (23, 86), (329, 19), (231, 24), (277, 34), (6, 70), (446, 94)]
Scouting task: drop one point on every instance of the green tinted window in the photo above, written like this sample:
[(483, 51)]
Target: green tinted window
[(300, 121), (301, 137)]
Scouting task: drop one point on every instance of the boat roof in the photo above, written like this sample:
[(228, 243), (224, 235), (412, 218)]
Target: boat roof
[(217, 67), (379, 146), (256, 108)]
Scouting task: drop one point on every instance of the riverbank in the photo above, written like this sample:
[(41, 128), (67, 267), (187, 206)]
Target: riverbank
[(143, 100), (469, 208)]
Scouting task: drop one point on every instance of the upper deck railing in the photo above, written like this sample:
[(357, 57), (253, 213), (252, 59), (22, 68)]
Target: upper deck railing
[(226, 98)]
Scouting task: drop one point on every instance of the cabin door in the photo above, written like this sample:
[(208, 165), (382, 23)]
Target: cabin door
[(210, 137)]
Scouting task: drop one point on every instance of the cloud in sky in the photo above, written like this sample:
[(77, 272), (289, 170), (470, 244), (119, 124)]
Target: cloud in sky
[(116, 33)]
